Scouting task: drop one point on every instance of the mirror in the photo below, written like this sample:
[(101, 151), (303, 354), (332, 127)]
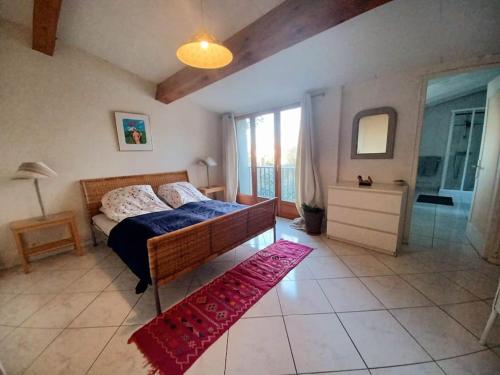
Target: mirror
[(373, 133)]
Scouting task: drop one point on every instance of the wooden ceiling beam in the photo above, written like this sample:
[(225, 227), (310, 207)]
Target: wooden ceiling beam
[(45, 18), (289, 23)]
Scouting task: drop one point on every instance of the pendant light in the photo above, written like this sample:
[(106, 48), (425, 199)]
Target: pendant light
[(204, 52)]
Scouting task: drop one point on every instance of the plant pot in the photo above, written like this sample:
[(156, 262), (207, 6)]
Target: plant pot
[(314, 221)]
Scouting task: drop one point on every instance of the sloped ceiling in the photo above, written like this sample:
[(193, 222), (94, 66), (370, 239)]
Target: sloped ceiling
[(142, 36), (398, 36), (442, 89)]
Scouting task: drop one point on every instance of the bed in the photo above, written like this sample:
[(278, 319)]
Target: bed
[(172, 254)]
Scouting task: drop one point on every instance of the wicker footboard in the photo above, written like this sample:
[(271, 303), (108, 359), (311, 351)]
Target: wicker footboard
[(178, 252)]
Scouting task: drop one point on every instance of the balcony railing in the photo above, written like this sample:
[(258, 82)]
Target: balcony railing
[(266, 183)]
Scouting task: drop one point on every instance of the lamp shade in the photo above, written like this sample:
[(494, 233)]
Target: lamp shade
[(33, 170), (210, 162), (204, 52)]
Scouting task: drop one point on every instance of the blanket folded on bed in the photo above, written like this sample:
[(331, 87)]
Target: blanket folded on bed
[(129, 237)]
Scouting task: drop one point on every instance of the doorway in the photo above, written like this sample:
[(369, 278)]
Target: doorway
[(267, 149), (449, 158)]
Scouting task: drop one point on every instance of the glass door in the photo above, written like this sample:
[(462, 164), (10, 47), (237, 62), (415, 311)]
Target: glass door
[(267, 151), (289, 128), (264, 155)]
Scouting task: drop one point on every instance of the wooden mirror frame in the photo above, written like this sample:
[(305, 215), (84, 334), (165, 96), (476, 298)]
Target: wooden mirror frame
[(391, 133)]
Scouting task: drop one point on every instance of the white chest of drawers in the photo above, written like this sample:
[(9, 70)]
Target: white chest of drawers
[(371, 216)]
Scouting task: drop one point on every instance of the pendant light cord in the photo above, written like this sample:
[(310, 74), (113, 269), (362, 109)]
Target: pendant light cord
[(202, 15)]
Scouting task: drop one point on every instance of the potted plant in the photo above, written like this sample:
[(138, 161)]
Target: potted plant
[(313, 217)]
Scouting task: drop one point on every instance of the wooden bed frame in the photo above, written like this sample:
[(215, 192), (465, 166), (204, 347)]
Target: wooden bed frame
[(175, 253)]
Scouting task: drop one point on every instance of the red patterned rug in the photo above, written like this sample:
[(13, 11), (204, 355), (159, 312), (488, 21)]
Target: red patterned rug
[(175, 339)]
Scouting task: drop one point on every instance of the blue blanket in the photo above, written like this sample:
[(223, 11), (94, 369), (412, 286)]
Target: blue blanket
[(129, 237)]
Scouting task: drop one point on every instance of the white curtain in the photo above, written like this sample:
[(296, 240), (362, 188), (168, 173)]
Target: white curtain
[(306, 176), (229, 156)]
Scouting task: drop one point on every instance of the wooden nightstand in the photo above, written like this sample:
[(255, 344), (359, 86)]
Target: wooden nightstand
[(21, 227), (212, 190)]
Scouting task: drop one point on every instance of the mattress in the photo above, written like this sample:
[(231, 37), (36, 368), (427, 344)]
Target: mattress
[(104, 223)]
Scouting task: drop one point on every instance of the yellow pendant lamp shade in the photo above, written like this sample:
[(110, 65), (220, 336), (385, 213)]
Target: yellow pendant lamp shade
[(205, 53)]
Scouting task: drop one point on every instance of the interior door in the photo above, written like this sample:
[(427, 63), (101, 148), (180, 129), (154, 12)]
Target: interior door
[(486, 171)]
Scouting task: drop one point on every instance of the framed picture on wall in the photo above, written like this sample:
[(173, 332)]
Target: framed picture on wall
[(134, 132)]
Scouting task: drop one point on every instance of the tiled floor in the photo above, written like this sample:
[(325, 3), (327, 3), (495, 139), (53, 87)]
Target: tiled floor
[(343, 310)]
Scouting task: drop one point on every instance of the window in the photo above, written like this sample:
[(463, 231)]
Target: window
[(267, 152)]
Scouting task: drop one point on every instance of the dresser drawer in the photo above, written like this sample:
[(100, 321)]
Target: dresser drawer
[(369, 219), (390, 203), (365, 237)]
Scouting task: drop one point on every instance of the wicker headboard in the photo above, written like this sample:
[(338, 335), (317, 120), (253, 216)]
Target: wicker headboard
[(94, 189)]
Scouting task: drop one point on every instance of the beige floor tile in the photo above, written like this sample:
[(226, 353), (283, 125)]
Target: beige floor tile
[(112, 261), (302, 297), (55, 281), (420, 369), (259, 346), (300, 272), (4, 331), (342, 248), (381, 340), (327, 267), (268, 305), (60, 311), (22, 346), (473, 316), (366, 265), (209, 271), (244, 252), (403, 264), (4, 298), (72, 352), (16, 281), (18, 309), (490, 270), (95, 280), (229, 256), (108, 309), (321, 250), (475, 282), (439, 289), (213, 361), (394, 292), (71, 261), (483, 363), (145, 309), (119, 357), (126, 280), (349, 294), (439, 334), (320, 343)]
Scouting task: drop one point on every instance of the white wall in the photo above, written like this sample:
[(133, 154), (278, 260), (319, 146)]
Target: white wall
[(326, 111), (60, 110)]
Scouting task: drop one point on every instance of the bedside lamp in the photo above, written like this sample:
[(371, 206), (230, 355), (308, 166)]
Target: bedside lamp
[(208, 162), (34, 171)]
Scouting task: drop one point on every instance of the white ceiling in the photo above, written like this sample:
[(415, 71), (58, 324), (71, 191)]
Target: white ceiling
[(397, 36), (142, 36), (451, 87)]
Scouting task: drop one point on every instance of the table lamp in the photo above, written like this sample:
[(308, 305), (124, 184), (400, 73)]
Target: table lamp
[(208, 162), (35, 171)]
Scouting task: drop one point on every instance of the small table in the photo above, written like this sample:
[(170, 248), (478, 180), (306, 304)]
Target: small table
[(20, 227), (212, 190)]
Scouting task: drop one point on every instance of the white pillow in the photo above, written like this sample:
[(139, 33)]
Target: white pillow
[(130, 201), (178, 193)]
